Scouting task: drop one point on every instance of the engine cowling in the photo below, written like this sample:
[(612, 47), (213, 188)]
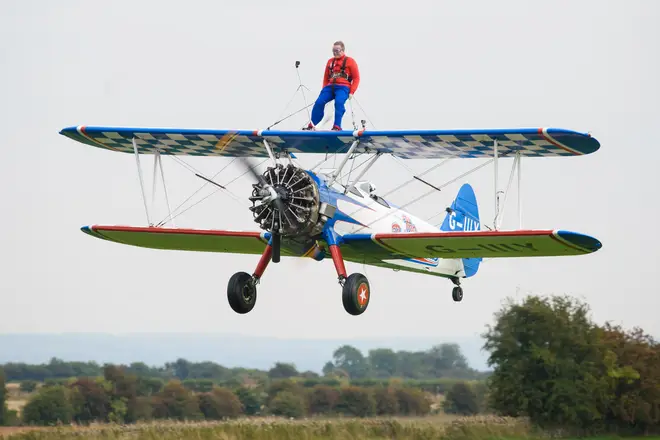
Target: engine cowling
[(286, 201)]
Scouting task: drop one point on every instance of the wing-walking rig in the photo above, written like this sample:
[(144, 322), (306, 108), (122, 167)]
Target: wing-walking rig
[(310, 213)]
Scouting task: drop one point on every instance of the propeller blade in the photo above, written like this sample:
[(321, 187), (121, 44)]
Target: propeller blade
[(250, 168)]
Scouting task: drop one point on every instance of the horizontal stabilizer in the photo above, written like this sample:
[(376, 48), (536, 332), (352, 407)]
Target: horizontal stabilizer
[(471, 244), (406, 144)]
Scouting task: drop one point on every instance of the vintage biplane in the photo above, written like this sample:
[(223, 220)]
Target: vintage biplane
[(307, 213)]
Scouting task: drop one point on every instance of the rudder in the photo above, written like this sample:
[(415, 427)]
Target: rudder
[(463, 215)]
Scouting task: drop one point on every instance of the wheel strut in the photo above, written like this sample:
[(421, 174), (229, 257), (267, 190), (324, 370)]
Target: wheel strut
[(263, 262), (338, 259)]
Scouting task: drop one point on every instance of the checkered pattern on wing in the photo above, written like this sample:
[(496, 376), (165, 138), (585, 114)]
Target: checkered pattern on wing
[(182, 144), (465, 146)]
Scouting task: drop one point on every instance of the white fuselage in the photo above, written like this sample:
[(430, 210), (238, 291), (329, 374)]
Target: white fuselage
[(380, 216)]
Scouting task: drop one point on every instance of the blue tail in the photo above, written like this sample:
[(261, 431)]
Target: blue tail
[(464, 216)]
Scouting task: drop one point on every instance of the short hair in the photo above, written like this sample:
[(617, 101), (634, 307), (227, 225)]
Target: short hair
[(340, 43)]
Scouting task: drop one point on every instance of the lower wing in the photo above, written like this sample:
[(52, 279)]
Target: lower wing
[(201, 240), (473, 244)]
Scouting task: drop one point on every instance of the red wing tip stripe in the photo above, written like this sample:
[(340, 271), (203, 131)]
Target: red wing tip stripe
[(379, 237), (156, 230), (553, 141)]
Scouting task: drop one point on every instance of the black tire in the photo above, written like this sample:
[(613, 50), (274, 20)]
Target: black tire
[(241, 294), (457, 293), (356, 294)]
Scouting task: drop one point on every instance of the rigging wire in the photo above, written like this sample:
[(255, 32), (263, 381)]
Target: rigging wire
[(425, 195)]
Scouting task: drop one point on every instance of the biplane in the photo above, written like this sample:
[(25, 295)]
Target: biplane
[(312, 214)]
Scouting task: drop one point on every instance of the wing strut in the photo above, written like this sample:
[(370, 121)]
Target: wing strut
[(343, 162), (520, 216), (495, 186), (139, 168)]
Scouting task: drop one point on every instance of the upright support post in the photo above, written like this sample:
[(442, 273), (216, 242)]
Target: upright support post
[(270, 152), (520, 215), (144, 197), (497, 205), (363, 172), (167, 200), (343, 162)]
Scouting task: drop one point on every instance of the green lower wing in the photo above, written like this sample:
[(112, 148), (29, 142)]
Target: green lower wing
[(235, 242), (477, 244)]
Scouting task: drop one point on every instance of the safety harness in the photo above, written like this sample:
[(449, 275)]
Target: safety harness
[(342, 72)]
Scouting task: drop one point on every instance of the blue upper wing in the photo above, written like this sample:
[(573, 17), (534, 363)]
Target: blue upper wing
[(406, 144)]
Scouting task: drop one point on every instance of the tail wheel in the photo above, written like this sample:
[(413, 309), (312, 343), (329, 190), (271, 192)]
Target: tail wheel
[(356, 294), (241, 292), (457, 293)]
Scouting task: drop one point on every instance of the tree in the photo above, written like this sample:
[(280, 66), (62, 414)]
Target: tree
[(412, 401), (219, 404), (90, 401), (387, 401), (174, 401), (384, 362), (447, 358), (636, 383), (48, 406), (251, 400), (282, 371), (322, 399), (3, 399), (287, 404), (351, 360), (461, 399), (357, 402), (328, 368), (548, 363)]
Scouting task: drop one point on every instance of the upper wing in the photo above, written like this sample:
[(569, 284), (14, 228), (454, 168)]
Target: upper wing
[(236, 242), (473, 244), (409, 144)]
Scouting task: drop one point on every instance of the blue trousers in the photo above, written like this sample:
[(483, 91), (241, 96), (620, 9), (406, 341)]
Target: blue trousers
[(328, 93)]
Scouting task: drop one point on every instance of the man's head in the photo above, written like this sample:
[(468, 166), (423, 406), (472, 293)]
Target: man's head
[(338, 49)]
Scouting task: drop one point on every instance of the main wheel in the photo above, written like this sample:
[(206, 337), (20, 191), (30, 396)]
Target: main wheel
[(241, 292), (457, 293), (356, 294)]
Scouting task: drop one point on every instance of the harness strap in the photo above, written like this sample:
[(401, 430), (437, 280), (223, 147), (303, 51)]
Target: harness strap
[(341, 74)]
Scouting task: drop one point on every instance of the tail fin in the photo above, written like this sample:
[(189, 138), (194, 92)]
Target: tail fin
[(464, 216)]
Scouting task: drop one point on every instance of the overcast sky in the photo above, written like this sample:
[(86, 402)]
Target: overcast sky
[(582, 65)]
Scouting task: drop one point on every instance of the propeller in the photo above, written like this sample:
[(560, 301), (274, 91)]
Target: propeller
[(269, 196)]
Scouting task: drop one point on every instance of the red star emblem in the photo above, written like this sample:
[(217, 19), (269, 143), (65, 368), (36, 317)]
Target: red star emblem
[(363, 294)]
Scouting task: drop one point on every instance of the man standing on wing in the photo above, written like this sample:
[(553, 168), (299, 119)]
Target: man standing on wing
[(340, 81)]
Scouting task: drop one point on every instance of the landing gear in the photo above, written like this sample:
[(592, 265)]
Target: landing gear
[(356, 294), (457, 292), (355, 288), (242, 292), (242, 287)]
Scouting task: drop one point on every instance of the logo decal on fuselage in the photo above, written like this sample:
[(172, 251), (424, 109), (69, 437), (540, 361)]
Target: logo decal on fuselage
[(410, 226)]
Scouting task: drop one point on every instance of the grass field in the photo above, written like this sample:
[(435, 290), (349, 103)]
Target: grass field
[(275, 429)]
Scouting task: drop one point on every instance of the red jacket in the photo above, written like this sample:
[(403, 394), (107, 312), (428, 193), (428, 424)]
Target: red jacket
[(351, 70)]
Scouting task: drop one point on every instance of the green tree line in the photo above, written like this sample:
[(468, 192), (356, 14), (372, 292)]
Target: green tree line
[(444, 360), (122, 397)]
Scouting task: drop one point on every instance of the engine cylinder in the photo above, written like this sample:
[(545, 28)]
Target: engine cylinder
[(297, 213)]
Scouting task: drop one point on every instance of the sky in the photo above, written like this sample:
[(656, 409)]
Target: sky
[(591, 66)]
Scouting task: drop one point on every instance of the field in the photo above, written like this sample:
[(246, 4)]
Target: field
[(441, 426)]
